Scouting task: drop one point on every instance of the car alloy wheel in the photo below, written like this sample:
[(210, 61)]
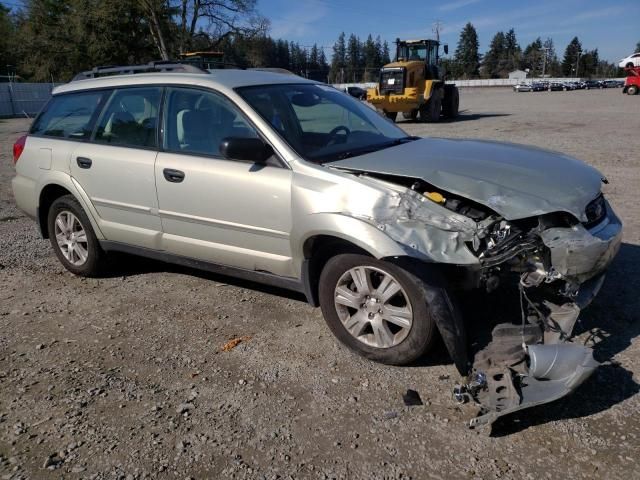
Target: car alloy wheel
[(71, 238), (373, 306)]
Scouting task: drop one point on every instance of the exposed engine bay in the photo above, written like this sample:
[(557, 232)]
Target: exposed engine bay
[(557, 263)]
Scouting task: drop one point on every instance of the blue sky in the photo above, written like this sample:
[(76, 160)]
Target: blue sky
[(613, 26)]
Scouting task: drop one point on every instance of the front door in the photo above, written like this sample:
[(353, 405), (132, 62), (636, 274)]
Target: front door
[(224, 211)]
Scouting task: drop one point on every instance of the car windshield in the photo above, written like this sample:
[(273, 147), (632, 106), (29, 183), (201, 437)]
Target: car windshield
[(321, 123)]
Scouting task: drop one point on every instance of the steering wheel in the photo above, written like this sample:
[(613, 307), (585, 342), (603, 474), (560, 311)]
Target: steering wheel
[(333, 134)]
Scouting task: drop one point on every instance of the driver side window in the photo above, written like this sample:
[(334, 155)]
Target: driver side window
[(196, 121)]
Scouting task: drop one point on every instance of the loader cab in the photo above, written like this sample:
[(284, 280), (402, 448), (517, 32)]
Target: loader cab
[(417, 50), (419, 59)]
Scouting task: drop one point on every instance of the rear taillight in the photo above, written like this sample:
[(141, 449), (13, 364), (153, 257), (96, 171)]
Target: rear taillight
[(18, 148)]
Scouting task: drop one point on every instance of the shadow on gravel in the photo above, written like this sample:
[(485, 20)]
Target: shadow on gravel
[(612, 322), (124, 265), (462, 117)]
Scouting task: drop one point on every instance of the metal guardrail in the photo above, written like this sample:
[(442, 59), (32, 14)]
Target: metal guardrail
[(23, 99)]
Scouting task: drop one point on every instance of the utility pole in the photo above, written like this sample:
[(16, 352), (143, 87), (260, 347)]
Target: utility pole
[(544, 61), (578, 62), (436, 28)]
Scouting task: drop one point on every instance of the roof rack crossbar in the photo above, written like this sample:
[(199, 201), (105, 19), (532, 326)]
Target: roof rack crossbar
[(155, 66)]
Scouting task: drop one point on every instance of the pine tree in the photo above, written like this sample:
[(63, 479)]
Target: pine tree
[(386, 58), (466, 55), (370, 59), (339, 60), (324, 66), (571, 57), (354, 57), (491, 65), (589, 63), (512, 51), (533, 57)]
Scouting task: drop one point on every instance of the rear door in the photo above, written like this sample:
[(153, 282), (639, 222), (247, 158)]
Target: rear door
[(223, 211), (116, 168)]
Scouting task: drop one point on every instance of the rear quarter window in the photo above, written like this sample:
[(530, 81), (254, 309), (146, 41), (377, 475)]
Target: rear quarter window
[(68, 116)]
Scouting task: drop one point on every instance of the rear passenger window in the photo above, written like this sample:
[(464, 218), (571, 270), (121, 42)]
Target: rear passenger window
[(130, 118), (198, 121), (68, 116)]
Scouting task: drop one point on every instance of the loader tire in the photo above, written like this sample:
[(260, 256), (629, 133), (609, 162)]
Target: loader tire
[(391, 115), (412, 115), (451, 102), (430, 112)]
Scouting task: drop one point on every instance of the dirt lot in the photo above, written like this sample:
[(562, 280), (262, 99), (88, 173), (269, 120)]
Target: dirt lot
[(125, 377)]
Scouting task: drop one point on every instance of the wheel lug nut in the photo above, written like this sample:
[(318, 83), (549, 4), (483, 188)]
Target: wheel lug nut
[(371, 315)]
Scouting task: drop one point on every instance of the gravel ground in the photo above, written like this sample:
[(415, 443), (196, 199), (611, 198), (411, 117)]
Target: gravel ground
[(126, 376)]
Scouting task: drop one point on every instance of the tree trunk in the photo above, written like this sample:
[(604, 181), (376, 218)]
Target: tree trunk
[(156, 30)]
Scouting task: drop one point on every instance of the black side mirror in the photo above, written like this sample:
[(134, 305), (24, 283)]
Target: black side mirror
[(446, 49), (249, 149)]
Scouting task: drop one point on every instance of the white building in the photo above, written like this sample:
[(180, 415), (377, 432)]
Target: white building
[(517, 75)]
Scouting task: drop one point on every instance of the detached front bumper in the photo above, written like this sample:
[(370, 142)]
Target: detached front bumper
[(529, 362)]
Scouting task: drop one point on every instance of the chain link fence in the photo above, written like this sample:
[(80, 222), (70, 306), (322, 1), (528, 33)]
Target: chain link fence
[(23, 99)]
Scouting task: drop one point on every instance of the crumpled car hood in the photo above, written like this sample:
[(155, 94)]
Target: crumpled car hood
[(516, 181)]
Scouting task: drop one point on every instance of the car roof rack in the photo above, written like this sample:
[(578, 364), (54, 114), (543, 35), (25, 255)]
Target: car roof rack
[(164, 66)]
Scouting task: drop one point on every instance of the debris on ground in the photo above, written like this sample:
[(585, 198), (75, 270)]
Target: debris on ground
[(412, 398), (234, 342)]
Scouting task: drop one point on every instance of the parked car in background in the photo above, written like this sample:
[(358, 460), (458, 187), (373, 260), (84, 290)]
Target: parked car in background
[(555, 86), (538, 86), (522, 87), (632, 60), (612, 84), (356, 92), (590, 84)]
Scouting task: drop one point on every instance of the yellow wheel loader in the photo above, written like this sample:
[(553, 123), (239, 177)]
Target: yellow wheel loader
[(414, 84)]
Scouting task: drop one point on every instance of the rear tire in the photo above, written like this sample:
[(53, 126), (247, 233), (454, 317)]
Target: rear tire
[(73, 239), (356, 310), (391, 115), (632, 90)]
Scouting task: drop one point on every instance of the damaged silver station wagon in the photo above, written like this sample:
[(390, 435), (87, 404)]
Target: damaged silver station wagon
[(290, 182)]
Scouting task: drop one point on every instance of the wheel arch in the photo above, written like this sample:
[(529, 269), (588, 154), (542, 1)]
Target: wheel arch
[(317, 251), (48, 195), (59, 184)]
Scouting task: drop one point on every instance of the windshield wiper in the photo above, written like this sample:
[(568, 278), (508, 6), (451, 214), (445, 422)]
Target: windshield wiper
[(373, 148)]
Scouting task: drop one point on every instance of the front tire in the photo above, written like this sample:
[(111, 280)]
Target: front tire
[(376, 308), (632, 90), (430, 112), (73, 239)]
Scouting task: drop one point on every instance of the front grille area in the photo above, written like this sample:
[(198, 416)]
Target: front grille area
[(595, 211), (392, 81)]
